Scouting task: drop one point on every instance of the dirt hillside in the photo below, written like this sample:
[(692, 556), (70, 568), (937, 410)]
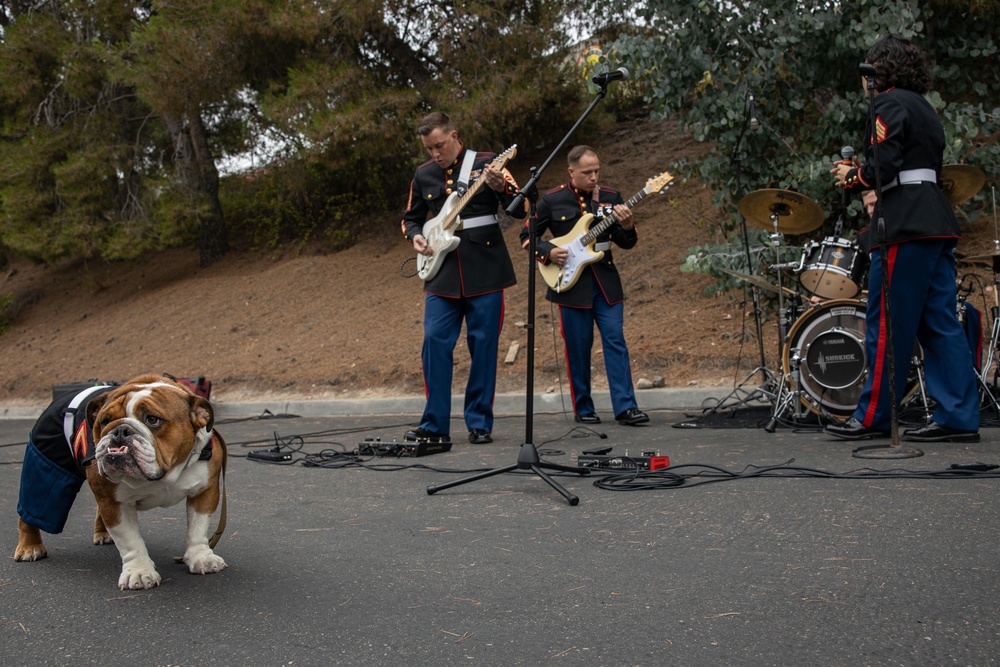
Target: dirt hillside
[(348, 325)]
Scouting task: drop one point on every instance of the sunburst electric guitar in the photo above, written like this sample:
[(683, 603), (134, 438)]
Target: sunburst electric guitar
[(440, 230), (580, 241)]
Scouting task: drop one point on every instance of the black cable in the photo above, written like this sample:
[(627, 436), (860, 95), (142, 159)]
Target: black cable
[(671, 478)]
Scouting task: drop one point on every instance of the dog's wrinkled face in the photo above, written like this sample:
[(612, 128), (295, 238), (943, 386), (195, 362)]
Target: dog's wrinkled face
[(146, 428)]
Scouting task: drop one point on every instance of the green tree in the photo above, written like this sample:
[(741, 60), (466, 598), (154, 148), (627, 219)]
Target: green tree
[(118, 113), (702, 58)]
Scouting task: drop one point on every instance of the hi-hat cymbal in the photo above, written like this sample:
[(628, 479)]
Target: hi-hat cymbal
[(960, 182), (759, 282), (990, 255), (796, 213)]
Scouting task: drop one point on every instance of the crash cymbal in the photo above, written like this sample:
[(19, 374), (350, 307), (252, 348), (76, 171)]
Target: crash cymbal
[(759, 282), (960, 182), (797, 214)]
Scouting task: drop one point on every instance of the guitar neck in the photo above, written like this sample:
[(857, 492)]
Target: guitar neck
[(452, 218), (498, 163), (608, 220)]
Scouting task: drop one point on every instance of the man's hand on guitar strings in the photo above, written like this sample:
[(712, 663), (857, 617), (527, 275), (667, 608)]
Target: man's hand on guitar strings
[(421, 246)]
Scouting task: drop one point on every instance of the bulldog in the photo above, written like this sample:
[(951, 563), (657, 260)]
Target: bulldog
[(146, 443)]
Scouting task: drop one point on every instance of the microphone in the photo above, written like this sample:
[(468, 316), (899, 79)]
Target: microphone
[(847, 152), (867, 70), (604, 78), (754, 123)]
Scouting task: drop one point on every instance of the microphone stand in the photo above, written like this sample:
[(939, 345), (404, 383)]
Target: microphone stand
[(528, 458), (894, 451), (767, 386)]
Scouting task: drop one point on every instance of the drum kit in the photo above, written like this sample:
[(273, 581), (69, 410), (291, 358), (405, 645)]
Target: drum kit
[(822, 352)]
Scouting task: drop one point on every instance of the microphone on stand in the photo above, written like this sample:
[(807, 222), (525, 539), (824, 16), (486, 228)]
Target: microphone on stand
[(867, 70), (604, 78), (754, 123)]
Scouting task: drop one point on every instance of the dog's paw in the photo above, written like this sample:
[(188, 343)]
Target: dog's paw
[(29, 543), (203, 561), (138, 577), (103, 537), (29, 553)]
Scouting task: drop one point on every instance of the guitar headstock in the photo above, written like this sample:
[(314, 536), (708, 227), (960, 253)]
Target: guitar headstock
[(657, 183), (503, 158)]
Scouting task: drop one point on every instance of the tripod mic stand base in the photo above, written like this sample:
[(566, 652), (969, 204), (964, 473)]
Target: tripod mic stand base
[(886, 452), (527, 459)]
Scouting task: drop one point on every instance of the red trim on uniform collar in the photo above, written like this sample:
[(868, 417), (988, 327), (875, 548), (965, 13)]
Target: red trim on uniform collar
[(461, 153)]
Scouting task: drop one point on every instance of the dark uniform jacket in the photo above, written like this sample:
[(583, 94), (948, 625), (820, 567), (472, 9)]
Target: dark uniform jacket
[(910, 136), (480, 263), (558, 211)]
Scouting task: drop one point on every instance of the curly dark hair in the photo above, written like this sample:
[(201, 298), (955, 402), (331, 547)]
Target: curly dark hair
[(898, 62)]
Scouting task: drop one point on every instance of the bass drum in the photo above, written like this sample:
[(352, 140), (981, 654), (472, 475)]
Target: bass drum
[(827, 342)]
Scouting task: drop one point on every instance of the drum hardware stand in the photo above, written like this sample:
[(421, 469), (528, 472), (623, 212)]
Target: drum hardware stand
[(894, 451), (994, 340), (788, 398), (918, 364)]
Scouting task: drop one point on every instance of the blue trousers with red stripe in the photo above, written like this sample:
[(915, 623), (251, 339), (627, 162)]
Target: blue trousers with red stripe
[(443, 316), (923, 308), (578, 337)]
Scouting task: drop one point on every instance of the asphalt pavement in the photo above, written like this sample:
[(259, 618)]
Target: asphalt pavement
[(751, 548)]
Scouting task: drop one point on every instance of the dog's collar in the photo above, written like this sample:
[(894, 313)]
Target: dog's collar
[(206, 451)]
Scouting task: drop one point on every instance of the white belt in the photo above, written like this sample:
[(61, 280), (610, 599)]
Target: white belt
[(911, 177), (481, 221), (70, 413), (603, 246)]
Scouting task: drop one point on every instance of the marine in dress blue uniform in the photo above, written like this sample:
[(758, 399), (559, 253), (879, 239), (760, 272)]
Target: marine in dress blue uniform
[(597, 297), (469, 285), (920, 233)]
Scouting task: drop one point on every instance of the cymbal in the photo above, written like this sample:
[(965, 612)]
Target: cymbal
[(759, 282), (990, 255), (797, 214), (960, 182)]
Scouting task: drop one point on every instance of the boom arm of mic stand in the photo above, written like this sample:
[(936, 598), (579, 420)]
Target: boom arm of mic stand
[(533, 181), (734, 160)]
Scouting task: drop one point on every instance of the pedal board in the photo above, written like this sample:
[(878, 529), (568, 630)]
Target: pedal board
[(648, 461), (375, 447)]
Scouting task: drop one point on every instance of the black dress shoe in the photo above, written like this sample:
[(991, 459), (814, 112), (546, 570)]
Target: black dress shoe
[(418, 434), (632, 416), (852, 429), (937, 433), (589, 418), (478, 436)]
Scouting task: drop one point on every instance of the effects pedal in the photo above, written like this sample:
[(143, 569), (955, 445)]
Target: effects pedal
[(375, 447), (269, 455), (648, 461)]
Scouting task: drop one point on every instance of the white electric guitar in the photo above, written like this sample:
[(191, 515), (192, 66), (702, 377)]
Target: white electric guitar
[(580, 240), (440, 230)]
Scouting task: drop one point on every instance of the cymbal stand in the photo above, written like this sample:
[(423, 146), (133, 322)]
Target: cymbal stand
[(785, 398)]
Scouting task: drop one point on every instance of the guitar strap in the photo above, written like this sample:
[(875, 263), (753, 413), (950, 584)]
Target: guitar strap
[(463, 177)]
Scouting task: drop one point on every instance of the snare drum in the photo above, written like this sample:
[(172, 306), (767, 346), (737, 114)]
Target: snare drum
[(826, 268)]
